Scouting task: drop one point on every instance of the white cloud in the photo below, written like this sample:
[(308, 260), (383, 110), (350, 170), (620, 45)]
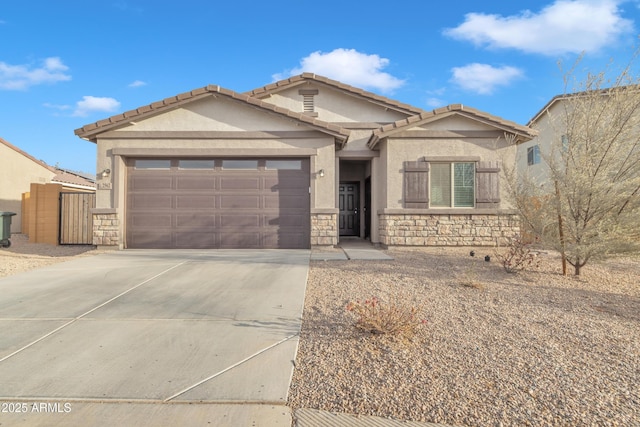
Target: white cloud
[(483, 78), (565, 26), (435, 102), (91, 104), (348, 66), (137, 83), (20, 77)]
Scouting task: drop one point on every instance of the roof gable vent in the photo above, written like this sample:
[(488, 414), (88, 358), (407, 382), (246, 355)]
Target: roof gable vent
[(308, 106)]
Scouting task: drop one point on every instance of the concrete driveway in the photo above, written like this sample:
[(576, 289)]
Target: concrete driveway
[(137, 337)]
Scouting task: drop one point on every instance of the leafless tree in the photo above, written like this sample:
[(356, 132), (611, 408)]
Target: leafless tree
[(586, 202)]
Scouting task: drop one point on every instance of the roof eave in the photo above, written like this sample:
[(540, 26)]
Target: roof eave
[(90, 132), (303, 78)]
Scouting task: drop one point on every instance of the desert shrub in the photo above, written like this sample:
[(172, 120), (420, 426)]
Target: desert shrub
[(518, 256), (380, 318)]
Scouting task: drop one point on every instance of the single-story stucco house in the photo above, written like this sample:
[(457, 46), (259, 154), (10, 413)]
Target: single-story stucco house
[(299, 163)]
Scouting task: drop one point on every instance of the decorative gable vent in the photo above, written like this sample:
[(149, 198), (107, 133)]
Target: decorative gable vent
[(308, 106)]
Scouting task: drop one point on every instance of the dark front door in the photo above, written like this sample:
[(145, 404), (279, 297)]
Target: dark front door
[(349, 203)]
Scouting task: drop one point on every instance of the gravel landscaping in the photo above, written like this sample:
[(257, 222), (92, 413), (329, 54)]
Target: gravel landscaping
[(498, 349), (23, 256)]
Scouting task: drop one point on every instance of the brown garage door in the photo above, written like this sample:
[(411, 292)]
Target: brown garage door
[(218, 203)]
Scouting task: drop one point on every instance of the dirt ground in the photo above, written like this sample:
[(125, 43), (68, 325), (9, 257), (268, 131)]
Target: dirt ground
[(24, 256)]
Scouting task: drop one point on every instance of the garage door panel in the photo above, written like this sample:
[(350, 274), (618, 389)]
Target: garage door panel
[(293, 221), (150, 183), (285, 202), (192, 201), (293, 182), (239, 183), (232, 207), (284, 240), (196, 182), (195, 221), (195, 240), (150, 219), (233, 239), (240, 220), (152, 239), (240, 202), (151, 201)]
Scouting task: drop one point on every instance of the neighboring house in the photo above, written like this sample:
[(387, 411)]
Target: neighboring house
[(301, 162), (548, 123), (18, 170), (553, 136)]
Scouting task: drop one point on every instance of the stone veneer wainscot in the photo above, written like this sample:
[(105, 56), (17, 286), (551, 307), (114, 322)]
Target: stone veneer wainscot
[(106, 229), (447, 229), (324, 231)]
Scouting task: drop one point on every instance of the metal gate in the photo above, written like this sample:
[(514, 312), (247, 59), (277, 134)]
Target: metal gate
[(76, 220)]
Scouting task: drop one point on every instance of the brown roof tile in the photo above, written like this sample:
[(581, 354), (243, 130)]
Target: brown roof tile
[(283, 84), (69, 177), (92, 130), (400, 125)]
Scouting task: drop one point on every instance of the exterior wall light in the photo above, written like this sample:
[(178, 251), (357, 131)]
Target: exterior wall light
[(321, 173), (105, 173)]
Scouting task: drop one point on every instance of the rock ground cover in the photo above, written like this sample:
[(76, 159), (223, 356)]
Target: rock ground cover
[(24, 256), (498, 349)]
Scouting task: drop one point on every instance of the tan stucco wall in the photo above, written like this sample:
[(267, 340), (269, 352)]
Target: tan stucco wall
[(17, 172), (400, 150), (214, 114), (335, 106)]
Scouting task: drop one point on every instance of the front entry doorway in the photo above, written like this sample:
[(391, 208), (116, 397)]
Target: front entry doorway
[(349, 198)]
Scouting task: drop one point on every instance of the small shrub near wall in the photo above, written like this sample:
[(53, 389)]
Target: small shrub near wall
[(518, 256)]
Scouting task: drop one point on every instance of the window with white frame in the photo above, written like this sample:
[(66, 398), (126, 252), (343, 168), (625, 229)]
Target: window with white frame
[(452, 185), (533, 155)]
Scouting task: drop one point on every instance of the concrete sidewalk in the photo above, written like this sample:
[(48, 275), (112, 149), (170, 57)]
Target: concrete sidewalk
[(350, 248)]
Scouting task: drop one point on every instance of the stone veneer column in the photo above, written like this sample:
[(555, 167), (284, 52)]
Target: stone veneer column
[(106, 229), (324, 229)]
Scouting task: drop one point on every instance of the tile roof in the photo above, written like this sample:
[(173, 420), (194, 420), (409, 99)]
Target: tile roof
[(305, 77), (68, 177), (438, 113), (91, 131), (572, 95)]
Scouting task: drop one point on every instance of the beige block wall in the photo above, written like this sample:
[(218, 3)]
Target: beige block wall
[(17, 172)]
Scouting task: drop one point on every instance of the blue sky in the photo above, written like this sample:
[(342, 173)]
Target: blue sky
[(67, 63)]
